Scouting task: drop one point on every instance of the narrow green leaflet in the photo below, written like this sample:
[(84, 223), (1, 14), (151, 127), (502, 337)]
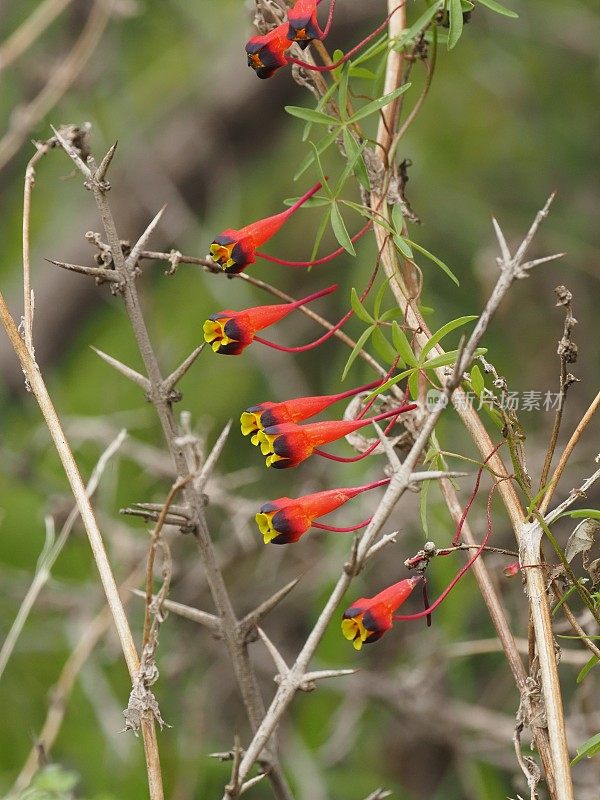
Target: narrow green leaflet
[(582, 513), (339, 229), (353, 155), (312, 202), (383, 347), (499, 9), (448, 358), (356, 349), (323, 145), (358, 308), (456, 22), (413, 384), (398, 218), (403, 247), (379, 297), (375, 105), (343, 94), (310, 115), (435, 260), (477, 381), (423, 507), (354, 151), (587, 749), (320, 234), (590, 665), (402, 345), (444, 331)]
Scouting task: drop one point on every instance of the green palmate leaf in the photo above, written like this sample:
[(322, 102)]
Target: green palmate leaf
[(357, 348), (310, 115), (435, 260), (375, 105), (320, 148), (358, 308), (339, 229), (477, 381), (456, 22), (402, 345), (444, 331), (353, 154), (354, 151), (499, 9), (587, 749), (403, 247), (383, 347), (320, 170)]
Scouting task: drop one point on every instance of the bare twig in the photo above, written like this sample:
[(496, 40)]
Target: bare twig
[(30, 30), (48, 559), (40, 392), (67, 71), (566, 453), (567, 353), (162, 402)]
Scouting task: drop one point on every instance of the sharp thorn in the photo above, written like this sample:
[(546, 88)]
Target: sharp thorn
[(93, 272), (282, 667), (133, 257), (506, 257), (134, 376), (252, 619), (105, 164), (73, 154), (178, 374), (189, 612), (206, 471)]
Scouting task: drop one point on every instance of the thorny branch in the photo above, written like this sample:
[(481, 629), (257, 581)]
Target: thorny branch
[(160, 396)]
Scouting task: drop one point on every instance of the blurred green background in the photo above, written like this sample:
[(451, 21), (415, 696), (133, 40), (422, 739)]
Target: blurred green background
[(512, 115)]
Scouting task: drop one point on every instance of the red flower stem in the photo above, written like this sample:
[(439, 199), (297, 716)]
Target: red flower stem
[(327, 27), (372, 447), (472, 498), (350, 53), (317, 261), (333, 529), (468, 565), (304, 198), (388, 375), (311, 297), (304, 347)]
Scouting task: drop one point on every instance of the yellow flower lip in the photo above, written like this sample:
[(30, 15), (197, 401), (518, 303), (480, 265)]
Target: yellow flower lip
[(265, 525), (354, 630), (250, 423), (221, 254), (214, 333)]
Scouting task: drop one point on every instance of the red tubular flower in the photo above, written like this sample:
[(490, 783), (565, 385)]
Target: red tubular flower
[(265, 415), (229, 332), (303, 24), (234, 250), (368, 618), (266, 54), (289, 444), (285, 520)]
